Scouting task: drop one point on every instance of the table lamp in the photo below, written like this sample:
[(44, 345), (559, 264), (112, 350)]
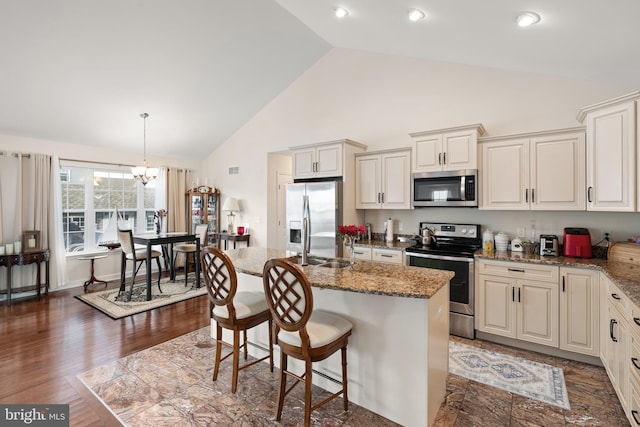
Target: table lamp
[(231, 205)]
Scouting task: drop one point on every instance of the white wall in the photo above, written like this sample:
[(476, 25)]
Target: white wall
[(378, 100)]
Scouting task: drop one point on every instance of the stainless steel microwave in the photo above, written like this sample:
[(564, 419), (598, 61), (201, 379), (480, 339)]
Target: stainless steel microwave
[(446, 189)]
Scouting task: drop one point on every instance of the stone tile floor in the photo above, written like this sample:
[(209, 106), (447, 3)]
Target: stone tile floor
[(179, 392)]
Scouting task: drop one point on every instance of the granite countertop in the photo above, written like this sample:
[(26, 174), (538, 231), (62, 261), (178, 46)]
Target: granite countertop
[(367, 276), (625, 276)]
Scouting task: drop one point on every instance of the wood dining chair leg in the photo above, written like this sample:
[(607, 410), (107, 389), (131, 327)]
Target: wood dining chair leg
[(159, 273), (345, 395), (307, 393), (236, 360), (216, 366), (186, 268), (270, 344), (283, 384), (246, 352)]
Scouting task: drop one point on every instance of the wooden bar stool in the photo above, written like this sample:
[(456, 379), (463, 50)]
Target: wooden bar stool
[(301, 332), (237, 311)]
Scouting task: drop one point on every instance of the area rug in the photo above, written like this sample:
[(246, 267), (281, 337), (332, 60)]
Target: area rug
[(117, 307), (524, 377)]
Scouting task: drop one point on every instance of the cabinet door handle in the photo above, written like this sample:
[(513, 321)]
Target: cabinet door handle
[(634, 413), (439, 158), (444, 158), (513, 294), (634, 360), (615, 296), (526, 195), (637, 320), (611, 323), (563, 284), (382, 197), (533, 195), (517, 270), (519, 295), (589, 194)]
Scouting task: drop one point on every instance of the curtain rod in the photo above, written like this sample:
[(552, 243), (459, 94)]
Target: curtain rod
[(28, 156)]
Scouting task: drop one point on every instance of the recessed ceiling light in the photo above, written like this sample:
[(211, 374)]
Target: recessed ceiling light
[(525, 19), (341, 12), (415, 14)]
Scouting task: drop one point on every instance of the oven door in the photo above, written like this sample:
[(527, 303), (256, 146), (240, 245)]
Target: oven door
[(462, 290)]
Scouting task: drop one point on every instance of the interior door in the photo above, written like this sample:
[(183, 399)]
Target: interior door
[(281, 210)]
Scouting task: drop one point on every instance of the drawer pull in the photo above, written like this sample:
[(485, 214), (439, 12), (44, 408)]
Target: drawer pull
[(611, 323), (637, 320), (635, 416), (615, 296), (517, 270), (386, 256), (634, 360), (358, 253)]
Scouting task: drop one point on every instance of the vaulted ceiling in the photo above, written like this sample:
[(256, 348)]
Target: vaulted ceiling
[(82, 71)]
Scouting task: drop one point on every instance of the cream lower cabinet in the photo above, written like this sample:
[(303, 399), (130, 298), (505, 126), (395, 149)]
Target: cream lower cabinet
[(518, 301), (389, 256), (579, 311), (615, 340)]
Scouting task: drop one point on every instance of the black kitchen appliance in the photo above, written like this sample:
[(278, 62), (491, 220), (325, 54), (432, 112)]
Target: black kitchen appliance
[(451, 248)]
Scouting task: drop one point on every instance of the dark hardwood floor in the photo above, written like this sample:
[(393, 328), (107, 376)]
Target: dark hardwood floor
[(45, 343)]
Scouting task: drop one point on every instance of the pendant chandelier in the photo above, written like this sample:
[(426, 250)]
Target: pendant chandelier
[(144, 173)]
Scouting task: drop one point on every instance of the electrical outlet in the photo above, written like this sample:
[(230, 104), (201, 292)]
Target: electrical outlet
[(607, 233), (521, 231)]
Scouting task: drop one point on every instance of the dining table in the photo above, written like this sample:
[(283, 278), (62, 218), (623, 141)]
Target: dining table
[(170, 238)]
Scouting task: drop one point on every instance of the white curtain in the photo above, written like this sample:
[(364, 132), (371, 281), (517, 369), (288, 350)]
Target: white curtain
[(29, 188)]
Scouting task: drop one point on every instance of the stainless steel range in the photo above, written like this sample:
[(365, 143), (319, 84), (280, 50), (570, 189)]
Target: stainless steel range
[(451, 247)]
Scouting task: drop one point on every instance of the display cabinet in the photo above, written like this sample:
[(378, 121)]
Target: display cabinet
[(203, 207)]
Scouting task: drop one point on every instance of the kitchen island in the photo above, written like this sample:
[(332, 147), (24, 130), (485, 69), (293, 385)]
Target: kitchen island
[(398, 352)]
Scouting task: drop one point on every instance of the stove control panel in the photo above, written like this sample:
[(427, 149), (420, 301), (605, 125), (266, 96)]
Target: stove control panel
[(471, 231)]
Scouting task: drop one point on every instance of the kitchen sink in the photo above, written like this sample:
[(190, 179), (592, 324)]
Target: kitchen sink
[(297, 259), (335, 264)]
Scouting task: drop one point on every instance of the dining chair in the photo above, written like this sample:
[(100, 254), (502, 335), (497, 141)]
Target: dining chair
[(125, 237), (190, 249), (301, 332), (232, 310)]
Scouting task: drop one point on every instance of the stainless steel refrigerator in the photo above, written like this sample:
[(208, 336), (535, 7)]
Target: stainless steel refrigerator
[(324, 215)]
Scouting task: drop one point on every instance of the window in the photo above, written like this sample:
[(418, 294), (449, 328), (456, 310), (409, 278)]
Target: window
[(90, 197)]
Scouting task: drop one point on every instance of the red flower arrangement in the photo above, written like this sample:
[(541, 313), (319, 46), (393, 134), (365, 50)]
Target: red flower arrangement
[(351, 231)]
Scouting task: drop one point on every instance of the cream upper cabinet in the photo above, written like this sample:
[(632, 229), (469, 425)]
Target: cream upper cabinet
[(579, 310), (534, 171), (325, 160), (518, 300), (446, 149), (611, 154), (383, 180)]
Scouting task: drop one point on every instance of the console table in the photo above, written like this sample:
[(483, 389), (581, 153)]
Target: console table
[(231, 237), (38, 258)]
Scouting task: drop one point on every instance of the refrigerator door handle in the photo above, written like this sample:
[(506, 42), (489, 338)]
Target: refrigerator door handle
[(306, 228)]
